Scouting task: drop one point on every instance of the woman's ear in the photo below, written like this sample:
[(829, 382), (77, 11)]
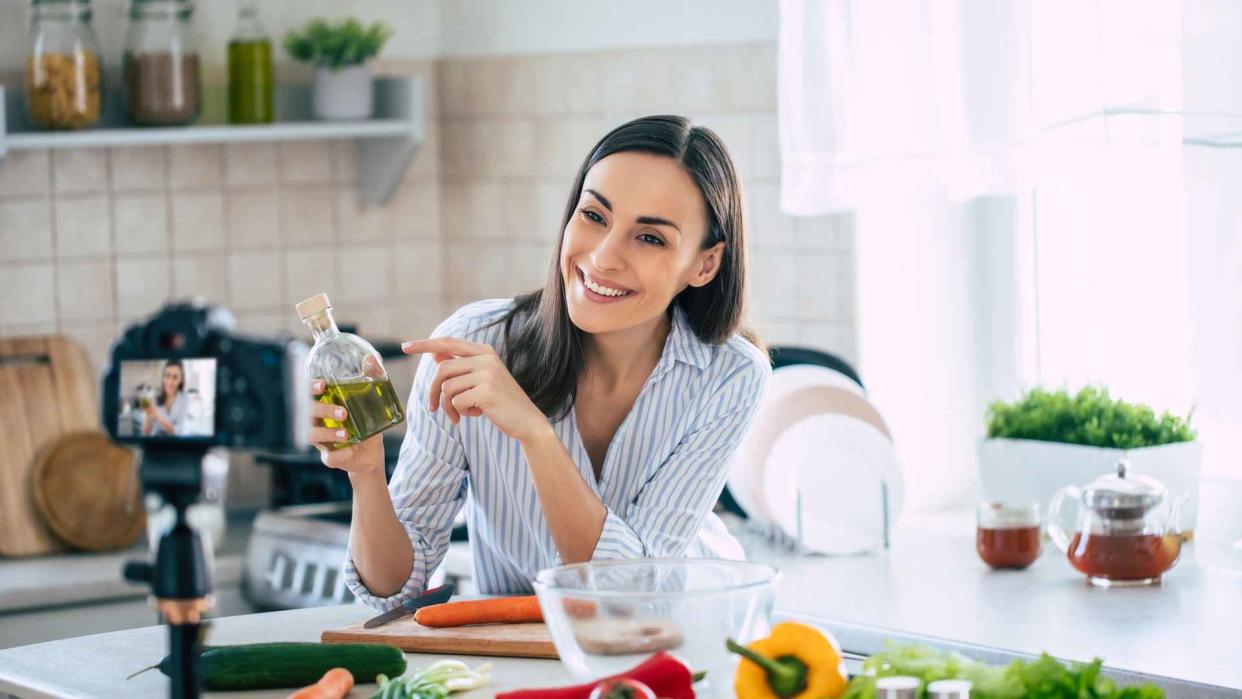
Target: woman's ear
[(707, 265)]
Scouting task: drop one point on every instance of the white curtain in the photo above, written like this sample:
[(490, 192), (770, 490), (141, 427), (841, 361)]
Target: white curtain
[(1015, 169)]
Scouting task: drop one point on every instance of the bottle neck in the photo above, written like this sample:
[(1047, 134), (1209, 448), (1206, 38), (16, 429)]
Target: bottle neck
[(322, 326), (249, 27)]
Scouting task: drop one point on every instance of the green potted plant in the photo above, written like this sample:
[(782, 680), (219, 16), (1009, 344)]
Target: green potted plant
[(339, 52), (1050, 439)]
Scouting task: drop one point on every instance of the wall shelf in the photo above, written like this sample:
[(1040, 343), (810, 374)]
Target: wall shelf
[(386, 143)]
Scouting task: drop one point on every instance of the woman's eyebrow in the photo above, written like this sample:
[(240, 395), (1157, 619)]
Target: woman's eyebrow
[(646, 220)]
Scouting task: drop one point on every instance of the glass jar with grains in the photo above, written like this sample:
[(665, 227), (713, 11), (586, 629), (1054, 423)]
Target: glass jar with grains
[(63, 74), (161, 66)]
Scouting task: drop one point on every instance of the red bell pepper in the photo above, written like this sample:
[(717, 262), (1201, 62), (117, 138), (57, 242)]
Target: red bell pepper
[(663, 672)]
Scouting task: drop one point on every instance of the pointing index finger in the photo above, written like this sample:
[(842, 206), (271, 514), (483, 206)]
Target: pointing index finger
[(445, 346)]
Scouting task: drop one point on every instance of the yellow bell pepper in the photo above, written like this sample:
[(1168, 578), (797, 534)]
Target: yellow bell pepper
[(795, 661)]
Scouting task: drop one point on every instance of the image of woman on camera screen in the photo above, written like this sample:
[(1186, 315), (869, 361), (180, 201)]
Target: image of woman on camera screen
[(164, 416), (593, 418)]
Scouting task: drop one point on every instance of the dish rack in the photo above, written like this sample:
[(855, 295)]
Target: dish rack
[(794, 542)]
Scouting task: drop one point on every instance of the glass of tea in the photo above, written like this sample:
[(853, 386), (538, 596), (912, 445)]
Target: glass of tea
[(1009, 536)]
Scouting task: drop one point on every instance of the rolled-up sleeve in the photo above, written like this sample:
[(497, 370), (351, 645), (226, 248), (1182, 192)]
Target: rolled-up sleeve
[(428, 488), (670, 510)]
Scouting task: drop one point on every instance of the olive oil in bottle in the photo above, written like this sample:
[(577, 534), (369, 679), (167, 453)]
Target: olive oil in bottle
[(353, 376)]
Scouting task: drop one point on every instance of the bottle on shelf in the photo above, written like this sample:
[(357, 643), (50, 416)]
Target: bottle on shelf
[(250, 69), (161, 64), (63, 73), (353, 375)]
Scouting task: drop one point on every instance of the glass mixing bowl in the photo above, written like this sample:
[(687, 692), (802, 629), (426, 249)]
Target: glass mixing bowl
[(608, 616)]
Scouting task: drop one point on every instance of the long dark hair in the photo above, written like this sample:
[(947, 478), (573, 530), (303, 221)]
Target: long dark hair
[(159, 399), (545, 351)]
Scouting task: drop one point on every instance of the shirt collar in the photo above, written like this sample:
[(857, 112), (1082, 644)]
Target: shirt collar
[(682, 344)]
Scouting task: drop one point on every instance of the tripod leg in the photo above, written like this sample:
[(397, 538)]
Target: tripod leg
[(185, 653)]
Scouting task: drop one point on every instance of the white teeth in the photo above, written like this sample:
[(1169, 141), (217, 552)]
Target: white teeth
[(601, 290)]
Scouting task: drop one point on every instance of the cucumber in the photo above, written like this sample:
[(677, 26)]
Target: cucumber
[(282, 665)]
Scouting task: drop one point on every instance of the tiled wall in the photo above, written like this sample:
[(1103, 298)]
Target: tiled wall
[(516, 128), (92, 239)]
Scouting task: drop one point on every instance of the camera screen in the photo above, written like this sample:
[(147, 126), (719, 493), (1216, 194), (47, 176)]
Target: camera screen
[(167, 398)]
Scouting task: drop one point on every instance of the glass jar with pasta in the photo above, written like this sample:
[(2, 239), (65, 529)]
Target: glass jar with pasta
[(64, 87)]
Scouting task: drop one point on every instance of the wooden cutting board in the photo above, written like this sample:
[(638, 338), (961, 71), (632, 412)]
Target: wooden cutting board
[(47, 388), (508, 640), (87, 491)]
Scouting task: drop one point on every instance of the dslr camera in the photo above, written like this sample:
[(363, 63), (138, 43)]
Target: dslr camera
[(184, 377)]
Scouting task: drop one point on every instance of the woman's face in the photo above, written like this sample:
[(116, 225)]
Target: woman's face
[(172, 379), (634, 242)]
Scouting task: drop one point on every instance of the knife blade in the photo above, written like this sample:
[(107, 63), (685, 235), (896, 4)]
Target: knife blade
[(436, 595)]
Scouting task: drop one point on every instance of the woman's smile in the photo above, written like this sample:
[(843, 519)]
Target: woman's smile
[(602, 290)]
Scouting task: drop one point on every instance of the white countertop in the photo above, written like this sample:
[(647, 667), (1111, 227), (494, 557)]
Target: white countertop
[(931, 584)]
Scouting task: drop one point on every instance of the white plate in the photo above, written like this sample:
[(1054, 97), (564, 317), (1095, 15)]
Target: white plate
[(745, 474), (840, 464)]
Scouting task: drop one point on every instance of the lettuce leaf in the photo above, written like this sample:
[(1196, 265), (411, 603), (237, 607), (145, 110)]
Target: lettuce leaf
[(1042, 678)]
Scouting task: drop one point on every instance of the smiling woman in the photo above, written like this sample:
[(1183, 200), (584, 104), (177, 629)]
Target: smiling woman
[(594, 418)]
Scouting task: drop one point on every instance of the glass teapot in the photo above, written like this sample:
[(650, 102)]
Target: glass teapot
[(1123, 536)]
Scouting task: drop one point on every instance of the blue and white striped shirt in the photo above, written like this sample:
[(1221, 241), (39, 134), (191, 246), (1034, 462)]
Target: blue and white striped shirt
[(663, 471)]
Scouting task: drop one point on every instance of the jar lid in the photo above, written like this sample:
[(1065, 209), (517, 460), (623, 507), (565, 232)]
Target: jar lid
[(313, 306), (1123, 490)]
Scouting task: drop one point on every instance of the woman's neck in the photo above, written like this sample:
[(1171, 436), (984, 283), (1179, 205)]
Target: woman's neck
[(623, 357)]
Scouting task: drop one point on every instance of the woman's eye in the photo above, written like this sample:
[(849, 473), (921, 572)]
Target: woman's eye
[(650, 239), (593, 216)]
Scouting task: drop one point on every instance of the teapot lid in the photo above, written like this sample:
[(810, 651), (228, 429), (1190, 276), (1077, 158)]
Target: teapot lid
[(1123, 490)]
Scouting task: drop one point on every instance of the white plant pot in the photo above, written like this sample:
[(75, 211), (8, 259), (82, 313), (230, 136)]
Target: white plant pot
[(343, 95), (1020, 470)]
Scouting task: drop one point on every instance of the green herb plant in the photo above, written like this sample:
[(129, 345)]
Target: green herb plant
[(1091, 418), (337, 45)]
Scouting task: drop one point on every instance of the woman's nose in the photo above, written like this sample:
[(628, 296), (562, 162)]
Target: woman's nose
[(608, 253)]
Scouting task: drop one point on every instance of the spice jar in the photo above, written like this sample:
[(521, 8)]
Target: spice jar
[(161, 64), (63, 86)]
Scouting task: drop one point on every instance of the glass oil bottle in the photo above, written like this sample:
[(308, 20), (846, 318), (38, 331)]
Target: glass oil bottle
[(352, 373)]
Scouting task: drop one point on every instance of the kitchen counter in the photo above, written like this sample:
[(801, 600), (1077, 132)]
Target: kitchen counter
[(930, 585)]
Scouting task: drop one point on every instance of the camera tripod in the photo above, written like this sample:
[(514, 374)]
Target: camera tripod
[(179, 579)]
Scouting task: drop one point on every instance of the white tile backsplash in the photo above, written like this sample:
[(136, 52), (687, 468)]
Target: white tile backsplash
[(25, 172), (252, 219), (305, 161), (307, 215), (197, 221), (143, 284), (85, 290), (254, 280), (249, 164), (78, 170), (365, 275), (25, 228), (82, 227), (201, 275), (194, 166), (309, 271), (29, 294), (140, 222), (139, 168)]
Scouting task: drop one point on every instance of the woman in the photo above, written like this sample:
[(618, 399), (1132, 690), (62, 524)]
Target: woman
[(592, 419), (166, 415)]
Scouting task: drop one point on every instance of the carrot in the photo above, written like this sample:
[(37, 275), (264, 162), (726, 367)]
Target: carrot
[(334, 684), (500, 610)]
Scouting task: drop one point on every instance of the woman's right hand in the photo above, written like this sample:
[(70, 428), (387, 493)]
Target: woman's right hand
[(360, 459)]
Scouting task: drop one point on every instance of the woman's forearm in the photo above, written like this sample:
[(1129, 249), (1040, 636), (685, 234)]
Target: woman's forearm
[(380, 547), (574, 513)]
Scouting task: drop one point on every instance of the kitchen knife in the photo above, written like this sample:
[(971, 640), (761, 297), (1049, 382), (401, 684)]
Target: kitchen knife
[(436, 595)]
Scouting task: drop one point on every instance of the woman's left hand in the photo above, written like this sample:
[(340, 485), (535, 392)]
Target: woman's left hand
[(472, 380)]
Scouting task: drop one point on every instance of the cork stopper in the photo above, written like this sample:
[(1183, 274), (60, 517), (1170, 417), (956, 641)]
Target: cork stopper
[(313, 306)]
